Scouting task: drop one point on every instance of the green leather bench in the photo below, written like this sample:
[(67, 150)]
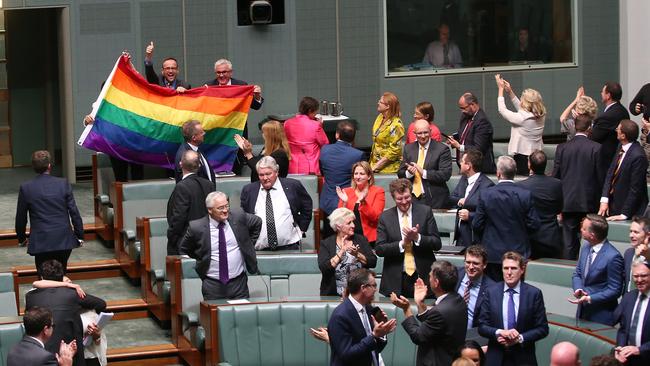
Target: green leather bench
[(619, 234), (383, 181), (102, 183), (151, 232), (11, 332), (8, 295)]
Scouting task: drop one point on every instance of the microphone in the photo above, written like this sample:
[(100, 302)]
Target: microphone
[(268, 291)]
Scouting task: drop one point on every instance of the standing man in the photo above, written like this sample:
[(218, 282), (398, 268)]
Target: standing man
[(355, 339), (474, 132), (51, 207), (639, 235), (223, 76), (513, 317), (577, 165), (625, 192), (193, 134), (438, 331), (546, 242), (168, 77), (466, 196), (505, 218), (427, 164), (603, 130), (283, 204), (633, 337), (407, 236), (598, 278), (187, 201), (222, 244), (473, 282)]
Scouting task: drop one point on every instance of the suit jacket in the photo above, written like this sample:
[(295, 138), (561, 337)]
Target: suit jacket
[(504, 219), (306, 137), (630, 196), (299, 200), (479, 137), (548, 200), (463, 233), (336, 162), (441, 332), (388, 238), (178, 175), (51, 207), (28, 352), (531, 324), (577, 165), (628, 257), (437, 164), (280, 157), (197, 243), (65, 305), (603, 131), (486, 282), (327, 250), (369, 209), (626, 309), (255, 104), (348, 340), (603, 283), (159, 79), (186, 203)]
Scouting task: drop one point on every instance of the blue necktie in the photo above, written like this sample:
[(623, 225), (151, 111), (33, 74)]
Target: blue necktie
[(223, 255), (631, 338), (512, 317)]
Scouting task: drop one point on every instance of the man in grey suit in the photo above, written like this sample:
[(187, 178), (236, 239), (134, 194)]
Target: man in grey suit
[(222, 243)]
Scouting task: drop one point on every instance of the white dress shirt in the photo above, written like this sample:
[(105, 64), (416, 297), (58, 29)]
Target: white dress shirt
[(644, 308), (424, 171), (287, 231), (400, 217), (625, 147), (206, 166), (235, 259)]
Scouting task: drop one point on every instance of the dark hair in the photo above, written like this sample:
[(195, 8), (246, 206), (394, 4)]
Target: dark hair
[(36, 319), (630, 129), (358, 278), (470, 98), (190, 161), (614, 90), (447, 275), (514, 256), (583, 122), (170, 58), (52, 270), (537, 161), (189, 129), (475, 158), (346, 131), (644, 222), (40, 161), (427, 110), (308, 105), (472, 344), (598, 227), (400, 186), (604, 360), (477, 251)]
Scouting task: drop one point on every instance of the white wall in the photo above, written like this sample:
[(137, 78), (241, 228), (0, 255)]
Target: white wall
[(634, 18)]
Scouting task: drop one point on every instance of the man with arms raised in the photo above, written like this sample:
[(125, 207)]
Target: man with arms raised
[(168, 77)]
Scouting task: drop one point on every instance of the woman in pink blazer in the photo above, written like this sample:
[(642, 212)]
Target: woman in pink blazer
[(306, 136)]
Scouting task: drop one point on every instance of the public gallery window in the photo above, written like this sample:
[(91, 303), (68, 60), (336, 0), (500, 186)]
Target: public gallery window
[(450, 36)]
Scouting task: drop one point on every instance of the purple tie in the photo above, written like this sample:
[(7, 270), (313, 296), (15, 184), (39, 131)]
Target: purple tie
[(512, 318), (223, 255)]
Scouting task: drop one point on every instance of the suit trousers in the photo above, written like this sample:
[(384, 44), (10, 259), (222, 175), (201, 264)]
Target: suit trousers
[(236, 288), (60, 255), (571, 233)]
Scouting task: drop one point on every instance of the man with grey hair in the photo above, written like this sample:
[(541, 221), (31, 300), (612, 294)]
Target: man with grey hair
[(222, 244), (505, 218), (193, 134), (283, 204), (565, 354), (223, 76)]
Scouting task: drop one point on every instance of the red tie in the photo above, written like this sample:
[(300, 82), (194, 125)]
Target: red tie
[(466, 131), (616, 171)]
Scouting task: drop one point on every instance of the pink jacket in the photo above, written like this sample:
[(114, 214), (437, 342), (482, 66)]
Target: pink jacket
[(306, 137)]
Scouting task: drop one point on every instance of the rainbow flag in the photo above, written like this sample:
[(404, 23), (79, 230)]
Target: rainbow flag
[(141, 123)]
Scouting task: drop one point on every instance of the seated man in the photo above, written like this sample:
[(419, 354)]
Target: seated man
[(443, 52), (472, 282)]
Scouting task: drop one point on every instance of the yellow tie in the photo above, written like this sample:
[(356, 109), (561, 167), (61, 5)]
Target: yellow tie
[(417, 181), (409, 259)]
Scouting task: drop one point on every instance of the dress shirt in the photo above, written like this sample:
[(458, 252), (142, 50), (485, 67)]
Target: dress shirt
[(235, 260), (400, 217), (424, 171), (624, 148), (37, 340), (461, 148), (470, 183), (439, 299), (506, 298), (609, 105), (473, 297), (644, 308), (206, 166), (287, 231)]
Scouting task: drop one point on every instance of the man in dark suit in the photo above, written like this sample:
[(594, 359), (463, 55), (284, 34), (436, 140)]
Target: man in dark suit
[(633, 337), (223, 76), (466, 195), (505, 217), (577, 165), (513, 317), (222, 244), (625, 192), (51, 207), (283, 204), (407, 236), (187, 201), (603, 130), (639, 235), (439, 330), (474, 132), (193, 135), (65, 305), (598, 278), (168, 77), (546, 242), (427, 164), (355, 339), (473, 282), (39, 327)]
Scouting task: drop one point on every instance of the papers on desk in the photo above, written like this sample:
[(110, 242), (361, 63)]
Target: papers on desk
[(238, 302), (102, 320)]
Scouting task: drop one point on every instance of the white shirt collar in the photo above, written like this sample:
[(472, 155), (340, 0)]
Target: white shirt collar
[(186, 175), (214, 222), (581, 134), (195, 148), (596, 248), (473, 178), (505, 180), (357, 306), (277, 185), (517, 287), (408, 212), (426, 146), (439, 299), (37, 340), (626, 147)]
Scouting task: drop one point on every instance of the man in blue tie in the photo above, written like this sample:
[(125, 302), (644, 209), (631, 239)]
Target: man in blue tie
[(633, 338)]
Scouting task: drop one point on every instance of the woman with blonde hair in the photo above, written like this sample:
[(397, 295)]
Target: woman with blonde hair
[(387, 135), (581, 105), (526, 124), (275, 145)]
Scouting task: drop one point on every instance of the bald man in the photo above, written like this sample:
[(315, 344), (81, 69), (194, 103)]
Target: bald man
[(565, 354)]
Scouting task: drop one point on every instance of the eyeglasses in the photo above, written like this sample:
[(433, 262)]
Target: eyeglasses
[(223, 72), (371, 284), (222, 208), (170, 68), (423, 133)]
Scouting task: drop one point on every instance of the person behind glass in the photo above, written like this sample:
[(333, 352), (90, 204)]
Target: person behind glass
[(443, 52), (342, 253), (527, 123), (387, 134), (424, 110), (581, 105), (306, 136), (275, 145), (364, 199), (523, 49)]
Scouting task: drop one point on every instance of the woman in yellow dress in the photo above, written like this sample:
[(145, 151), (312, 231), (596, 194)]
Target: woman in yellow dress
[(387, 134)]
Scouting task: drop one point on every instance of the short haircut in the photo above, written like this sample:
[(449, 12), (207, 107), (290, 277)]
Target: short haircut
[(614, 90), (308, 105), (223, 61), (446, 273), (41, 161), (189, 129), (507, 166), (190, 161), (346, 131), (598, 227), (644, 222), (169, 59), (267, 162), (475, 158), (36, 319), (630, 129), (52, 270), (470, 98), (209, 199), (358, 278), (400, 185), (338, 216), (583, 122), (514, 256), (366, 167), (393, 105), (537, 161), (427, 110), (477, 251)]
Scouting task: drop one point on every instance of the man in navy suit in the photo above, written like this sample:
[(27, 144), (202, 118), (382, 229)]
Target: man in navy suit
[(473, 283), (355, 339), (633, 337), (223, 77), (283, 204), (51, 207), (193, 134), (168, 77), (625, 193), (513, 317), (598, 278), (639, 234), (505, 217), (603, 129), (466, 195)]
